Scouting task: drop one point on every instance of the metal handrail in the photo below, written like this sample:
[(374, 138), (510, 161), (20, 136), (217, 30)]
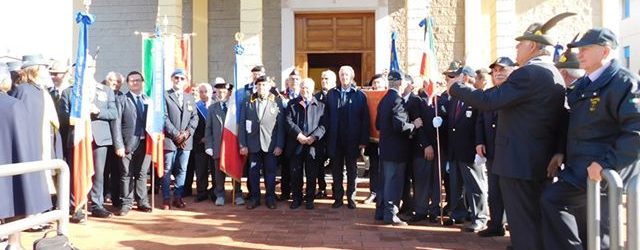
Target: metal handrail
[(61, 214), (633, 210), (615, 210)]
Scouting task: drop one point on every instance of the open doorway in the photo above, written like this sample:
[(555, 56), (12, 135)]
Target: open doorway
[(333, 61)]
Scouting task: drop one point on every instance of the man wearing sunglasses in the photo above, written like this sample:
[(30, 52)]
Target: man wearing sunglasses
[(181, 120)]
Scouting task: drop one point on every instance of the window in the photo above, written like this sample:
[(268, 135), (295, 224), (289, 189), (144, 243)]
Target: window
[(627, 56), (625, 8)]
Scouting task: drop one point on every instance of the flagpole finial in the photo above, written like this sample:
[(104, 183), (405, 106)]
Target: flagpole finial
[(239, 37), (87, 4)]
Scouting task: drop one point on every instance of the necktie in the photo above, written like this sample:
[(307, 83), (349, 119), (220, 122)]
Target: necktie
[(587, 82), (458, 109), (139, 105), (56, 94), (224, 107)]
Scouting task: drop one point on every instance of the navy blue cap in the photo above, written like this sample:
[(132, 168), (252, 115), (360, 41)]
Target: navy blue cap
[(179, 72), (467, 71), (503, 61), (395, 76), (597, 36)]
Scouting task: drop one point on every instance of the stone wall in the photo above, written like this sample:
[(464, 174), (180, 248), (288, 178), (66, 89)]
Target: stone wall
[(224, 22), (398, 22), (187, 16), (271, 38), (113, 31), (448, 28), (532, 11)]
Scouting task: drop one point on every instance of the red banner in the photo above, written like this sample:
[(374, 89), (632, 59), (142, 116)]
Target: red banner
[(373, 98)]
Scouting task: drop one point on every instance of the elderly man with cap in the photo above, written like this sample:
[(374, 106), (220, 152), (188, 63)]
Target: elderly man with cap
[(217, 113), (181, 120), (395, 148), (486, 126), (569, 68), (461, 130), (604, 133), (530, 105)]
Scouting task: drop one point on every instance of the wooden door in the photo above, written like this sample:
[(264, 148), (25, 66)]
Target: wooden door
[(336, 33)]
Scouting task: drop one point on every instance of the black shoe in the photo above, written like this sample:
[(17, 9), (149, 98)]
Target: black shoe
[(336, 204), (295, 204), (100, 213), (271, 205), (145, 209), (351, 204), (491, 232), (370, 199), (433, 219), (284, 197), (252, 204), (309, 205), (451, 222), (201, 198), (416, 218), (123, 211), (78, 218), (321, 194)]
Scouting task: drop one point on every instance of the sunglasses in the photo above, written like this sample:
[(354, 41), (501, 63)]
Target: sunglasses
[(179, 78), (451, 76)]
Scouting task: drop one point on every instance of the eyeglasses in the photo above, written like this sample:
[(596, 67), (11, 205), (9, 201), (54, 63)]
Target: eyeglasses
[(179, 78)]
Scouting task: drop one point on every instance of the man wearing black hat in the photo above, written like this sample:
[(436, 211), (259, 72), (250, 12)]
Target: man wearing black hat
[(395, 128), (461, 127), (530, 105), (486, 127), (604, 133), (569, 68), (250, 88)]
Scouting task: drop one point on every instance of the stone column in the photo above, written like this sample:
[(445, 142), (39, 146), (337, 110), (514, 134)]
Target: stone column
[(416, 11), (200, 42)]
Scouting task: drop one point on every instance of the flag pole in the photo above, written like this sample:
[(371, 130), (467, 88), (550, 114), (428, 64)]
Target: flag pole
[(435, 106), (233, 191)]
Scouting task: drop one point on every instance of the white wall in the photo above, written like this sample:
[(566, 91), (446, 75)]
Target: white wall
[(37, 26), (630, 35)]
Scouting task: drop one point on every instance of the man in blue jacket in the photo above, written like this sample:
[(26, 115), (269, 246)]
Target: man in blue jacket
[(604, 133)]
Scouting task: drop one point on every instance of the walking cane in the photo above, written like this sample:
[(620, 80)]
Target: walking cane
[(435, 105)]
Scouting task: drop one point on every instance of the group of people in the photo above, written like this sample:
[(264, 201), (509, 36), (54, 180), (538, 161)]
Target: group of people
[(522, 138)]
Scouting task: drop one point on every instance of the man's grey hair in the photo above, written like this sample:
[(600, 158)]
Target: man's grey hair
[(395, 84)]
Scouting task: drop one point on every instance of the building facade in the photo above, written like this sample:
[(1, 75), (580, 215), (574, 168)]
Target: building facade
[(320, 34)]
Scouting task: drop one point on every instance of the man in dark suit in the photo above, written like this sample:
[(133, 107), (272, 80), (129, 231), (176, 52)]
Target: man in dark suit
[(181, 121), (395, 129), (103, 111), (213, 140), (305, 120), (130, 146), (292, 92), (112, 167), (328, 82), (348, 134), (486, 126), (604, 133), (462, 117), (261, 136), (201, 161), (530, 105)]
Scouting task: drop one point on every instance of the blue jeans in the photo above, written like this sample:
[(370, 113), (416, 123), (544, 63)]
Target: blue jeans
[(267, 162), (175, 162)]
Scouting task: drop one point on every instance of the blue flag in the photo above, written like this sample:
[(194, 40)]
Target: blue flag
[(394, 66)]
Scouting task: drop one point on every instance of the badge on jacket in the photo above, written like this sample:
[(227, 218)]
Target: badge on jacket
[(189, 107), (468, 113), (594, 103)]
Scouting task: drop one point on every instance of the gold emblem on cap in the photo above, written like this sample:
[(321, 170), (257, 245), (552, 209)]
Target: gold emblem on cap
[(562, 59), (538, 33)]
